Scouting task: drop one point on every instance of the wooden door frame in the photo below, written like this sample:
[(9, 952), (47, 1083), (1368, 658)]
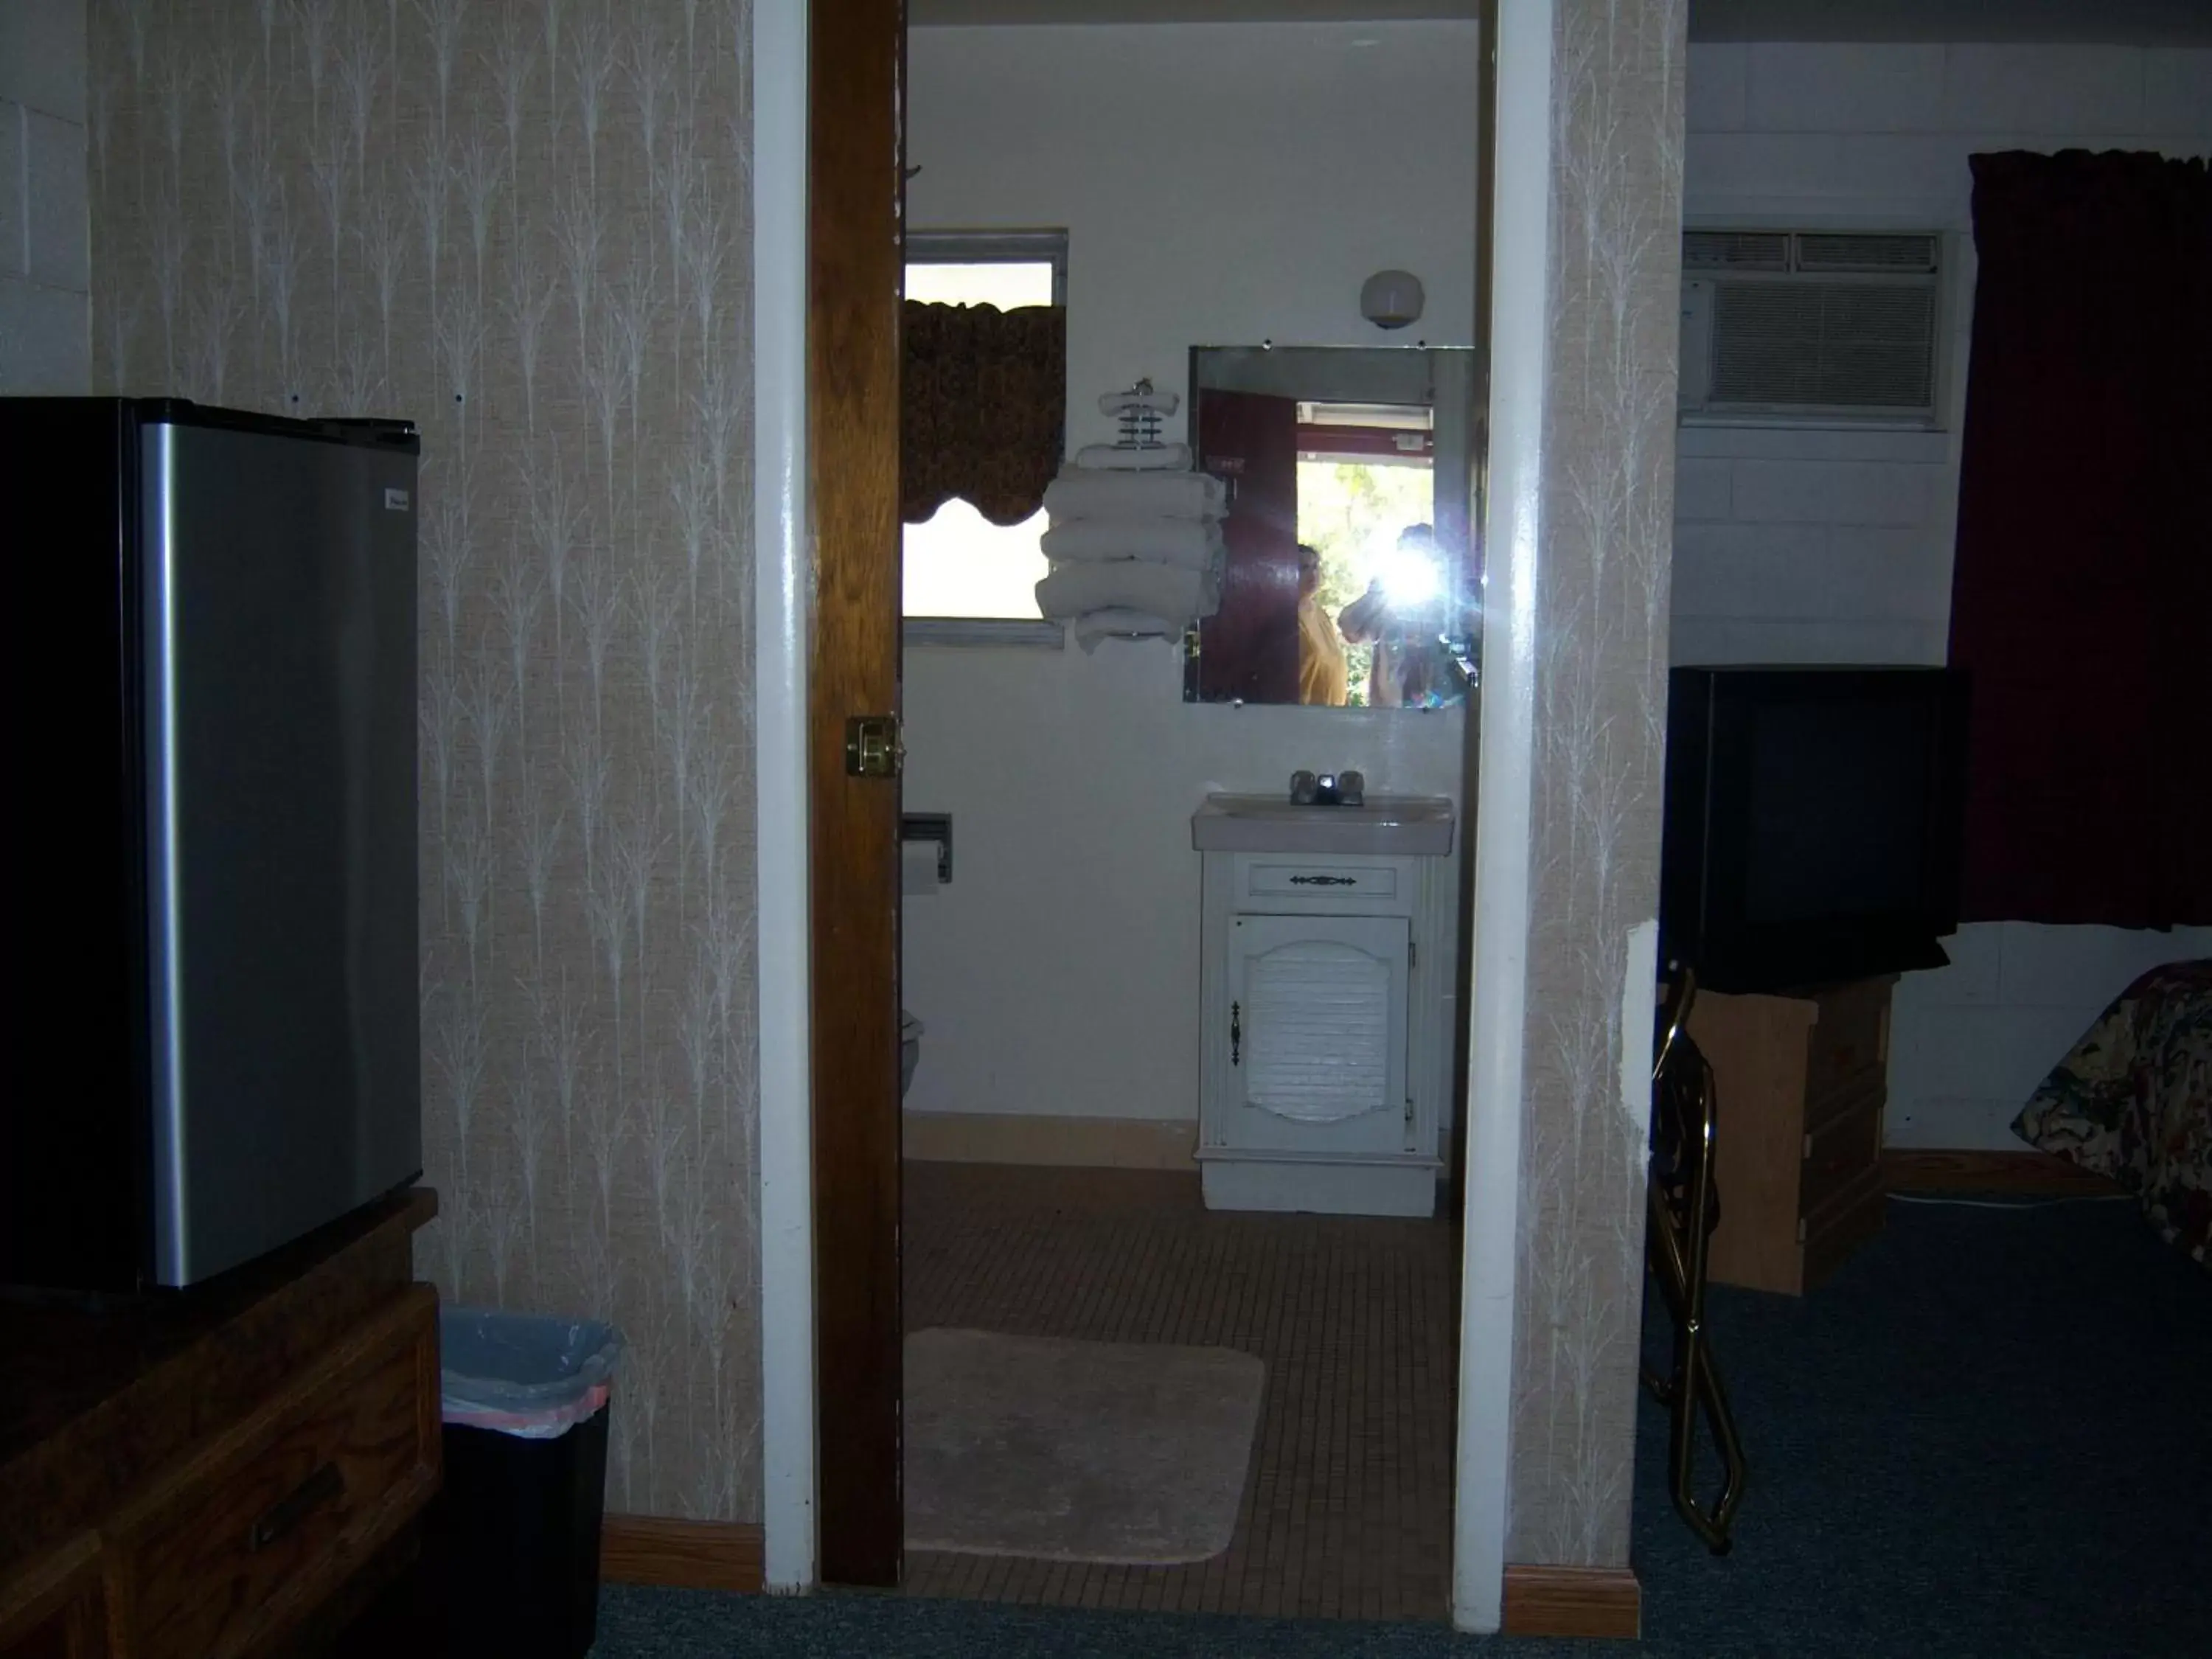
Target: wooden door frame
[(827, 194), (793, 1104), (855, 274)]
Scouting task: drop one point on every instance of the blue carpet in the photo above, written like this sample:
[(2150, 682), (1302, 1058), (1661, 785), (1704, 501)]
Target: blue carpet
[(1986, 1438)]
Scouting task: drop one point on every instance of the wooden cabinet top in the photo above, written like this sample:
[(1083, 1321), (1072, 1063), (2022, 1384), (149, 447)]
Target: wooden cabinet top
[(99, 1393)]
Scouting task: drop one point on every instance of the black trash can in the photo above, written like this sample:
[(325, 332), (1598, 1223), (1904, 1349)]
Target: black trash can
[(513, 1539)]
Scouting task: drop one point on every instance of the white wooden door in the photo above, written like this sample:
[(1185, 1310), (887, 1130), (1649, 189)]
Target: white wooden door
[(1317, 1034)]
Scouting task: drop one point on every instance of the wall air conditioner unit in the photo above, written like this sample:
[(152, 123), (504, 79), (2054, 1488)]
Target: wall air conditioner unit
[(1816, 326)]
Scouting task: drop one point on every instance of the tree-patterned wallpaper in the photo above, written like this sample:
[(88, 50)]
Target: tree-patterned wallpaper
[(1602, 586), (526, 225)]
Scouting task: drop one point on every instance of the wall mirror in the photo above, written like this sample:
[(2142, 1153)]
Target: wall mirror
[(1351, 579)]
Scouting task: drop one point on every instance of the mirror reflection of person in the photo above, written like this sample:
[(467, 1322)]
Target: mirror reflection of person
[(1365, 621), (1372, 619), (1322, 675), (1412, 668)]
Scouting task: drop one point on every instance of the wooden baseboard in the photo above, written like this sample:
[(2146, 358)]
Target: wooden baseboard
[(1603, 1602), (654, 1549), (1097, 1143), (1918, 1169)]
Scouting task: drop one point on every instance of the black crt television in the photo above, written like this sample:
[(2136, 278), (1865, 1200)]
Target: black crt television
[(1812, 825)]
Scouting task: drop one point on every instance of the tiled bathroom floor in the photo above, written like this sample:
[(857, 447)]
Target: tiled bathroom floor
[(1347, 1508)]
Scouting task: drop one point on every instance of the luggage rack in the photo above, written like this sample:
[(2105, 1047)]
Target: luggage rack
[(1683, 1210)]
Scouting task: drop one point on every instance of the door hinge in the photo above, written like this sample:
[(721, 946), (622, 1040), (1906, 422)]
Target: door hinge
[(1236, 1033), (873, 747), (1412, 954)]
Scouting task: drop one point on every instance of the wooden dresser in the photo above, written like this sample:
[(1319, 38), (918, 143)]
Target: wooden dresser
[(1799, 1084), (205, 1473)]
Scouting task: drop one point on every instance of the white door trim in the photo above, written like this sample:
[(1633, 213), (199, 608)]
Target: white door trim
[(1520, 234), (783, 533), (1520, 237)]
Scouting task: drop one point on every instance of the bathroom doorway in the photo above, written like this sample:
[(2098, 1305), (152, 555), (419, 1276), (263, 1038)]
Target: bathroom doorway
[(964, 1217)]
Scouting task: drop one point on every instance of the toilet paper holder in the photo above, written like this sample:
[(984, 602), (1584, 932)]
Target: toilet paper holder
[(931, 826)]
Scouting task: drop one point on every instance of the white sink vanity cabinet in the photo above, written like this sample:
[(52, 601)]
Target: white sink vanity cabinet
[(1328, 973)]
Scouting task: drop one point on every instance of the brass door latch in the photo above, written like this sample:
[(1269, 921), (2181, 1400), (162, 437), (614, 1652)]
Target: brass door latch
[(873, 746)]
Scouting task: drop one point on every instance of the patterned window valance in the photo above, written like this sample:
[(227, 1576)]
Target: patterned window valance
[(984, 400)]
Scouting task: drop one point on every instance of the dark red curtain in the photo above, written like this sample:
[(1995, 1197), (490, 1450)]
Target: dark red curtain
[(2081, 596)]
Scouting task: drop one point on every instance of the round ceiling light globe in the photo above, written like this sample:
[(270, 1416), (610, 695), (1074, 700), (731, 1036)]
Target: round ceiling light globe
[(1391, 299)]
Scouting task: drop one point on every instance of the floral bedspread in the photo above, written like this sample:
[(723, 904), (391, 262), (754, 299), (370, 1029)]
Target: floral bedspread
[(2134, 1101)]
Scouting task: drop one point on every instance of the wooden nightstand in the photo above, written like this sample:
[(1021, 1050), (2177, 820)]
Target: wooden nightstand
[(200, 1473), (1801, 1082)]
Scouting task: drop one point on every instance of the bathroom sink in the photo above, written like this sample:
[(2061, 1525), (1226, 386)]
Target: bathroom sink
[(1387, 824)]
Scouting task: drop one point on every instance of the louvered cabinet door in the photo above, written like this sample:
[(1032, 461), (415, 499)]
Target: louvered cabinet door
[(1317, 1039)]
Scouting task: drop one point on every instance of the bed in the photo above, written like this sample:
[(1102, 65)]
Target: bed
[(2133, 1101)]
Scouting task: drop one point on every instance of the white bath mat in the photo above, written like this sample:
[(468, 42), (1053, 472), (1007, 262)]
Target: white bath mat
[(1127, 1452)]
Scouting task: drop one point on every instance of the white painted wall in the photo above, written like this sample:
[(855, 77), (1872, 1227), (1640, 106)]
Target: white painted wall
[(1219, 185), (1059, 972), (1796, 546), (46, 258), (1968, 1044)]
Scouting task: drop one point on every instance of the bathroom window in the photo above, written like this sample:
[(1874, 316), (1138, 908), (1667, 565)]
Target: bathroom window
[(966, 581)]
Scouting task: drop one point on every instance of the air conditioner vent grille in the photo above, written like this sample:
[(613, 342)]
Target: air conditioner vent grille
[(1801, 344), (1834, 251), (1736, 250)]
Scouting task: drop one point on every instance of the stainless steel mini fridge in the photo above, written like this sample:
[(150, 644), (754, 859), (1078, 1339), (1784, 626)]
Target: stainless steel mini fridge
[(211, 1031)]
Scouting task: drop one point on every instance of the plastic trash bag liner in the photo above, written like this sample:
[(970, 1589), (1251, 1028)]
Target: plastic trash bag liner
[(533, 1376)]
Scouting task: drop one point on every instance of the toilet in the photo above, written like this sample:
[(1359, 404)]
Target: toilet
[(909, 1049)]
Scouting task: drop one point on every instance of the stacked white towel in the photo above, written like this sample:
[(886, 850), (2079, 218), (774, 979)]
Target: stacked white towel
[(1136, 551), (1183, 543), (1135, 457), (1081, 493)]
